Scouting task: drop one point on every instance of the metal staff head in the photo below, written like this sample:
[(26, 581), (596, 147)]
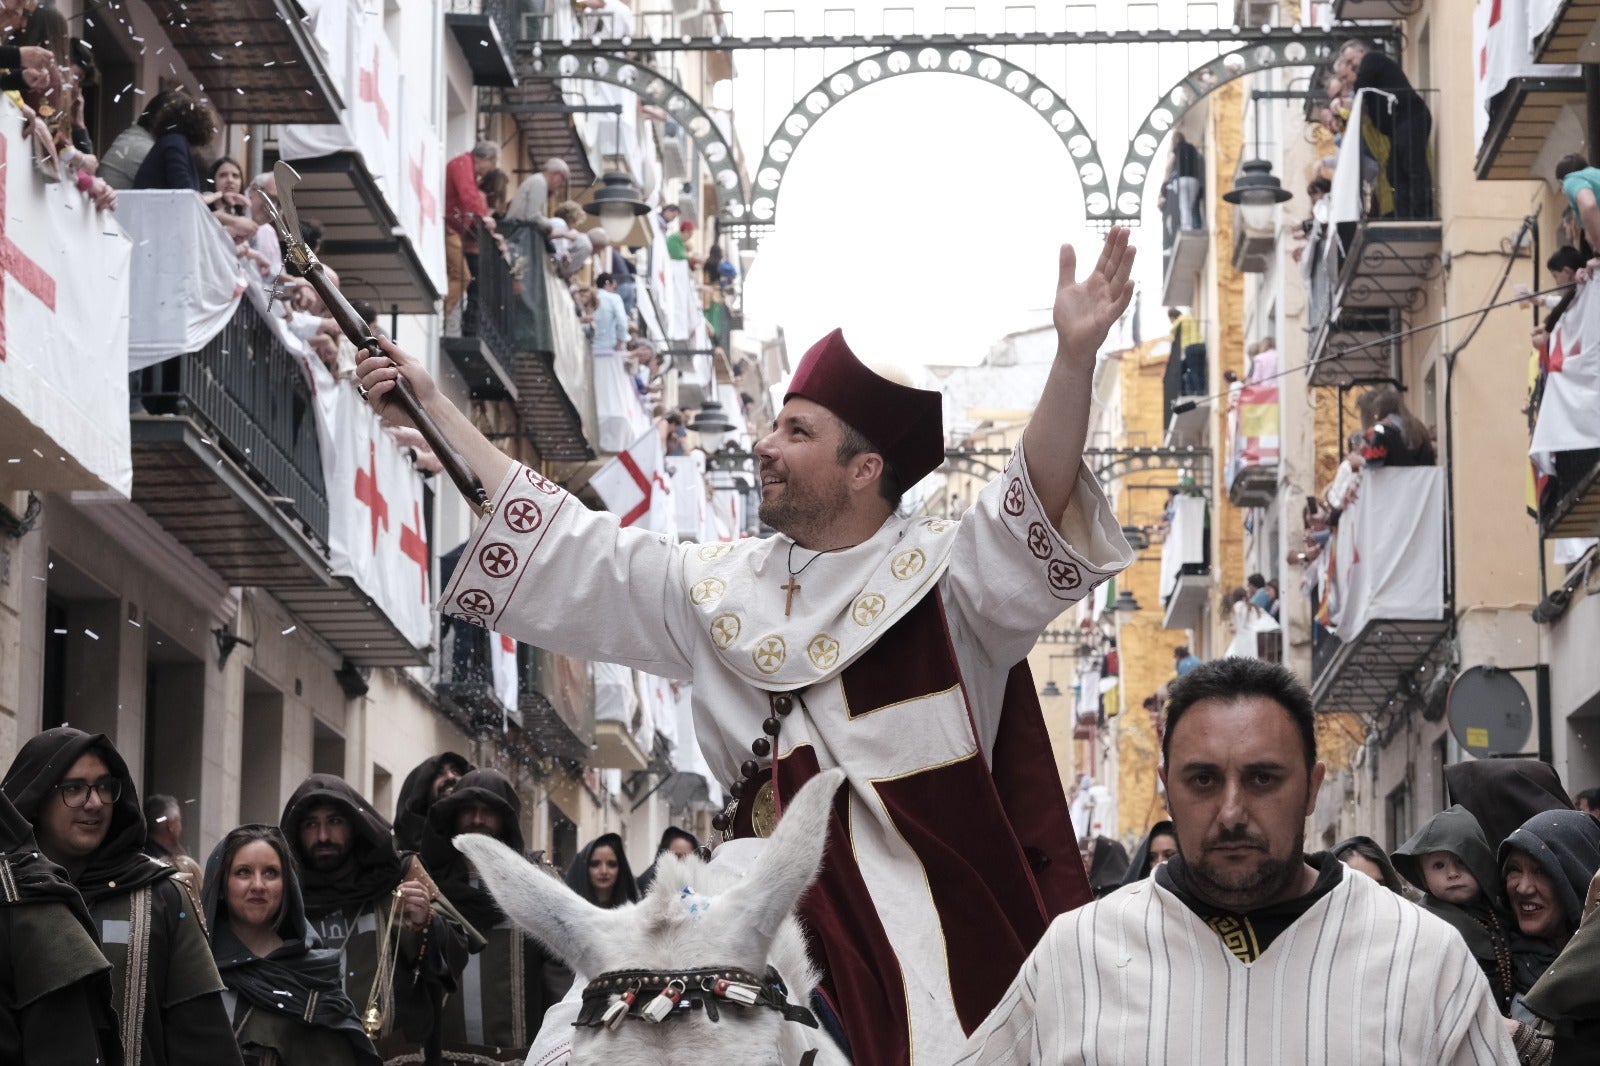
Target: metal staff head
[(286, 219)]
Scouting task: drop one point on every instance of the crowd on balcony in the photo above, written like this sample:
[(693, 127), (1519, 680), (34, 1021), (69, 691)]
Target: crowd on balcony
[(1396, 135)]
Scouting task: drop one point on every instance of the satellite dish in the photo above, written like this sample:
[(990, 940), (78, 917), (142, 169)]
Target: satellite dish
[(1488, 711)]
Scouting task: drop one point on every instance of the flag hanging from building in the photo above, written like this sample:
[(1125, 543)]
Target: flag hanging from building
[(503, 665), (636, 487)]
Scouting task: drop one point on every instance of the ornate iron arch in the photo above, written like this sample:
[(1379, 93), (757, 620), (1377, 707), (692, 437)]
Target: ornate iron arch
[(654, 88), (910, 59), (1194, 87)]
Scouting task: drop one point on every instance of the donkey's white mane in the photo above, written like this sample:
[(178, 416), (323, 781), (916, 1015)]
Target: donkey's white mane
[(695, 916)]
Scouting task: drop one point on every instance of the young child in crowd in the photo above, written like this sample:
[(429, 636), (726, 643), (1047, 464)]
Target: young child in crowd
[(1450, 859)]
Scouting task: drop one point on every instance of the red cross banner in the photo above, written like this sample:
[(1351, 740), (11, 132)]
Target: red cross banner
[(422, 185), (376, 529), (636, 486), (63, 331), (503, 663), (1502, 50), (1569, 410)]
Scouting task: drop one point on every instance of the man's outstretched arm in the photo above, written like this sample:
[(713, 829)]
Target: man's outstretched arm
[(1084, 313), (377, 375)]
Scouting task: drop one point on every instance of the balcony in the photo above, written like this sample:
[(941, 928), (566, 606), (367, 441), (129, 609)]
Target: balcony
[(1565, 442), (1569, 36), (1529, 113), (1183, 251), (1186, 562), (484, 353), (1374, 10), (255, 58), (554, 373), (1252, 472), (1390, 618), (63, 335), (467, 685), (484, 32)]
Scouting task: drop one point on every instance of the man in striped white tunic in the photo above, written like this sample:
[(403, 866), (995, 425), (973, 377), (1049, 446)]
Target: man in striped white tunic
[(1243, 949)]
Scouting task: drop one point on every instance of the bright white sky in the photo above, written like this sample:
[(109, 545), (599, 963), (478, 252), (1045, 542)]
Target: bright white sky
[(923, 213)]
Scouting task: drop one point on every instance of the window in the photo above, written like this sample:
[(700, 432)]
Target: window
[(1398, 820)]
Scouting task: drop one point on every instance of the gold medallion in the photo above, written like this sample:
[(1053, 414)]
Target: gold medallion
[(764, 810)]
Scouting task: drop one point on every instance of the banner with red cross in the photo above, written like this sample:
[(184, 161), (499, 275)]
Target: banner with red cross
[(376, 529), (63, 331)]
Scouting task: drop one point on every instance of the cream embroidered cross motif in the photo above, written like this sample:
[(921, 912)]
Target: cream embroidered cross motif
[(769, 654)]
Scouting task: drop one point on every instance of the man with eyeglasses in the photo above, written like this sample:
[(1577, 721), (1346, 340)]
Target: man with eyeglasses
[(77, 792)]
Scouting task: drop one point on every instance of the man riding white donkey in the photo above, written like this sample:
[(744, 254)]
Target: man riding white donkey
[(892, 648)]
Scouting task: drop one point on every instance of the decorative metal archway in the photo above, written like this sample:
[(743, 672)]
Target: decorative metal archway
[(654, 88), (868, 70)]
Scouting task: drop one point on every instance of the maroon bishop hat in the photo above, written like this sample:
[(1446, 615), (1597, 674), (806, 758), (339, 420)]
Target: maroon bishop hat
[(906, 425)]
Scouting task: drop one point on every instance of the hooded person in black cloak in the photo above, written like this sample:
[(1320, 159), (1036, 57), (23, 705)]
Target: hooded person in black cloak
[(1503, 793), (679, 842), (1449, 859), (601, 875), (1548, 863), (507, 986), (1152, 851), (1107, 866), (287, 1001), (77, 792), (428, 782), (350, 874), (55, 986)]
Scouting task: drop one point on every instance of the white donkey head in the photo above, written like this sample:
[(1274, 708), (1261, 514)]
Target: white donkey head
[(696, 917)]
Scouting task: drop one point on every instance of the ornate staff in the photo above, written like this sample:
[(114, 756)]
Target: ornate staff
[(306, 264)]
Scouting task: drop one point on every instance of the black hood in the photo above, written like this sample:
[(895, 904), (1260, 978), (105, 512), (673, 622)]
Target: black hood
[(1109, 865), (30, 877), (672, 833), (377, 867), (1455, 830), (1139, 864), (300, 979), (627, 889), (411, 810), (447, 865), (1566, 845), (1503, 793), (118, 865)]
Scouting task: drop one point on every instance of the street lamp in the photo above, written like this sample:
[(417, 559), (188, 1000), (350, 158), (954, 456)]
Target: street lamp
[(1126, 606), (1258, 193), (712, 425), (617, 203)]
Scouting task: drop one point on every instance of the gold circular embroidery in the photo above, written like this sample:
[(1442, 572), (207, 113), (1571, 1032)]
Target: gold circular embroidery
[(769, 654), (709, 552), (725, 630), (707, 590), (908, 564), (867, 608), (764, 810), (938, 525), (824, 650)]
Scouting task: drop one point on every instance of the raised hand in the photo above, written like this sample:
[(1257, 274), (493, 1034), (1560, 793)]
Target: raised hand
[(377, 376), (1086, 310)]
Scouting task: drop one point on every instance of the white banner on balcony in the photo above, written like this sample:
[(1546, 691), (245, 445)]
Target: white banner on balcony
[(1502, 49), (635, 486), (63, 331), (1186, 540), (185, 279), (1569, 413), (421, 180), (616, 698), (689, 498), (1540, 14), (619, 415), (1344, 200), (1390, 549), (376, 529), (503, 665)]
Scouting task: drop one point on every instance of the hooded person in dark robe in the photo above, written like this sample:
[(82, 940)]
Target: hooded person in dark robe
[(55, 986), (428, 782), (1565, 847), (508, 985), (164, 983), (288, 1007), (349, 893), (1503, 793), (579, 878), (1144, 860), (671, 835), (1107, 866), (1484, 922), (1568, 995)]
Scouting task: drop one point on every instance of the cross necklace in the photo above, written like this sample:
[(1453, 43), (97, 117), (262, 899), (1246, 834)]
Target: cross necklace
[(793, 586)]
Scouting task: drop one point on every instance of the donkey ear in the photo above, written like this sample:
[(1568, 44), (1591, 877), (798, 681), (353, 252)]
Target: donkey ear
[(543, 905), (774, 883)]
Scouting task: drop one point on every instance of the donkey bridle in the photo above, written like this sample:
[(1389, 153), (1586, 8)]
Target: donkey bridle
[(698, 993)]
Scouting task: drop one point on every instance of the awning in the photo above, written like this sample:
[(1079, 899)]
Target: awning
[(1571, 35), (351, 622), (361, 238), (485, 49), (1524, 116), (253, 58)]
